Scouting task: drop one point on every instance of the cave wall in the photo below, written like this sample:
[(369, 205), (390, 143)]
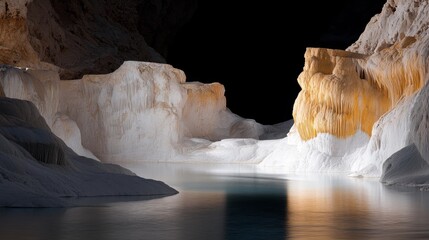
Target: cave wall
[(82, 37)]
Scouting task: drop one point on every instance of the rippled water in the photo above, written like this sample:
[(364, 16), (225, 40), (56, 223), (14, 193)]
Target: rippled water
[(234, 202)]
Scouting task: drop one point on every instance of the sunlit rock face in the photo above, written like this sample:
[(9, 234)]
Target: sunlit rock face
[(204, 104), (82, 37), (378, 87), (337, 95), (343, 92), (205, 115)]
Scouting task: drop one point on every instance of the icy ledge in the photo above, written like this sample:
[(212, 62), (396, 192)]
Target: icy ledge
[(38, 170)]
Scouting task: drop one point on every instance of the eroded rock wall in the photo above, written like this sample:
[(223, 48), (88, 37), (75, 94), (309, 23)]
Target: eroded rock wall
[(87, 37)]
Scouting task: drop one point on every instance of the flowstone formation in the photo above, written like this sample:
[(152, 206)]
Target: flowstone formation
[(362, 111), (343, 92)]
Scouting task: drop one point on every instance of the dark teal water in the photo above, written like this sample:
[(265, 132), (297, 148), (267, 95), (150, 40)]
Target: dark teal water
[(234, 202)]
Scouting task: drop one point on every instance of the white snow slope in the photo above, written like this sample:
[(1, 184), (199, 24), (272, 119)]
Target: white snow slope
[(38, 169)]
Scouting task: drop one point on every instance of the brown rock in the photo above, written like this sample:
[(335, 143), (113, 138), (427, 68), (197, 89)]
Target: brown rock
[(87, 37)]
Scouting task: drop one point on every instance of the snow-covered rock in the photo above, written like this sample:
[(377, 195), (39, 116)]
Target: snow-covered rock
[(38, 169), (406, 167)]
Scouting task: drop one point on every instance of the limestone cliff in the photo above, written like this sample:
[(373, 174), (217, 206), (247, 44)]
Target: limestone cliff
[(146, 111)]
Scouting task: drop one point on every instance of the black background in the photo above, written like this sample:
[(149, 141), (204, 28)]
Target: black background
[(256, 48)]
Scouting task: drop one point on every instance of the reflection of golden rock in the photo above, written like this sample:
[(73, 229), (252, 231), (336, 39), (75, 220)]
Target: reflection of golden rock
[(343, 92), (330, 209)]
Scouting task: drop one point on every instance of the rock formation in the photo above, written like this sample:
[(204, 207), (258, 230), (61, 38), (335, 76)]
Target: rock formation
[(42, 41), (38, 169), (340, 88), (361, 111), (378, 87), (145, 110), (83, 37), (41, 87), (387, 63)]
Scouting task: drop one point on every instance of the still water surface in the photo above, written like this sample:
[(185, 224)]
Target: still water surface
[(234, 202)]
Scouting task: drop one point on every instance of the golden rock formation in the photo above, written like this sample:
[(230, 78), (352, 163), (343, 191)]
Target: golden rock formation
[(343, 92), (203, 105)]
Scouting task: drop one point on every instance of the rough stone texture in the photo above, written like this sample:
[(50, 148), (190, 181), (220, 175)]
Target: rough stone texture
[(93, 36), (15, 47), (398, 19), (347, 92)]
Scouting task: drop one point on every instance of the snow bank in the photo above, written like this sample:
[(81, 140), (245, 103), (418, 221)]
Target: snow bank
[(406, 167)]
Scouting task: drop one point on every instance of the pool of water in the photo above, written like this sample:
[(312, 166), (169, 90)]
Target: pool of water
[(234, 202)]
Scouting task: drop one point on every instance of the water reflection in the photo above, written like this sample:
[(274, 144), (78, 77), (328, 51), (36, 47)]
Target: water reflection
[(328, 210), (234, 202), (330, 207), (243, 204), (254, 216)]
